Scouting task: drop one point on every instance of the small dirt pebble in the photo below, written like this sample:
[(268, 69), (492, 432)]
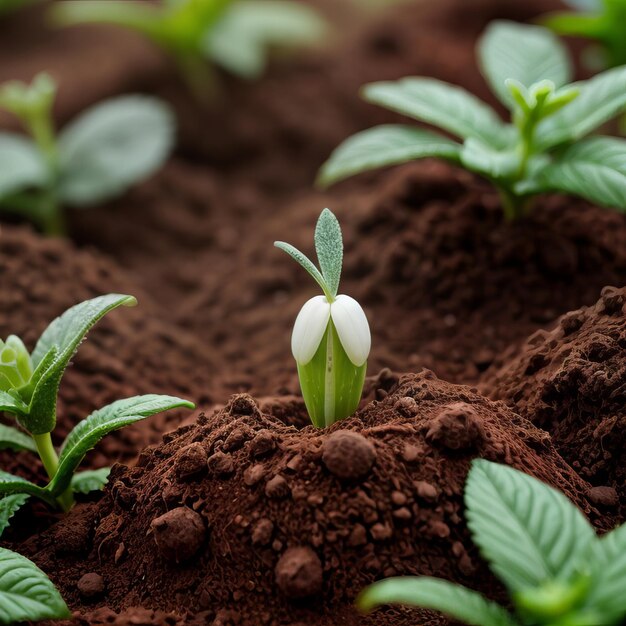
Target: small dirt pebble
[(277, 488), (179, 534), (299, 573), (91, 586), (456, 426), (262, 532), (262, 444), (348, 455), (604, 496), (191, 462), (254, 474), (221, 464)]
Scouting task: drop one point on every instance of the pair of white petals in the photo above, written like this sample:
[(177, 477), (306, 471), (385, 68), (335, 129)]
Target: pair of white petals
[(349, 321)]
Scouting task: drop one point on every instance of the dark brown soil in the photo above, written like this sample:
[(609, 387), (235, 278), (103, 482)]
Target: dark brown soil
[(239, 519), (571, 381)]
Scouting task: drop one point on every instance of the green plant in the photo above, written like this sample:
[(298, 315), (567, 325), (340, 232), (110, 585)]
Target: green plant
[(331, 337), (29, 385), (234, 34), (557, 571), (99, 155), (603, 21), (543, 150)]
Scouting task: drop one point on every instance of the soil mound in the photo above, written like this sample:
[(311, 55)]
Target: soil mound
[(240, 519), (129, 352), (571, 381)]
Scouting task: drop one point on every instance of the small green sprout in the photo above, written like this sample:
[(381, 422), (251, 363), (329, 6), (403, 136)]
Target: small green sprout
[(603, 21), (557, 571), (29, 385), (97, 157), (544, 150), (234, 34), (331, 337)]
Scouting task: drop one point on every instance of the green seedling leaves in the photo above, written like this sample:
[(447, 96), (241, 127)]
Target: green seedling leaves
[(12, 404), (91, 430), (382, 146), (13, 439), (329, 248), (306, 263), (113, 145), (527, 54), (529, 70), (9, 506), (26, 593), (21, 165), (10, 484), (63, 335), (452, 600), (528, 532), (432, 101), (90, 480)]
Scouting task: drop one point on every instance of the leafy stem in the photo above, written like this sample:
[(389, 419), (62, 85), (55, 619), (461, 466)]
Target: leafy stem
[(50, 461)]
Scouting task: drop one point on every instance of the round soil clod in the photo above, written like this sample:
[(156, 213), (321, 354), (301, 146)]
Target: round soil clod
[(348, 455), (179, 534), (299, 573)]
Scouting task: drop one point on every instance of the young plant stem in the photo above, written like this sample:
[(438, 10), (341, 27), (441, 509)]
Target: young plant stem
[(329, 379), (50, 461), (198, 76)]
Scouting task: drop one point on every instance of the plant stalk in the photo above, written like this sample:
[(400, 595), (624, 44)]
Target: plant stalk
[(329, 378), (50, 461)]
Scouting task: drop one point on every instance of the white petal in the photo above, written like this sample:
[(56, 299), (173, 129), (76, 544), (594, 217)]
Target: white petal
[(352, 328), (309, 329)]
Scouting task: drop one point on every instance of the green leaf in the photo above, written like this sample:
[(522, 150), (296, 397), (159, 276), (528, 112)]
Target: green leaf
[(9, 506), (457, 602), (528, 54), (21, 165), (329, 248), (382, 146), (14, 439), (576, 24), (90, 480), (607, 562), (113, 146), (449, 107), (240, 41), (11, 404), (26, 593), (601, 99), (305, 262), (528, 532), (64, 334), (10, 484), (594, 169), (482, 159), (91, 430)]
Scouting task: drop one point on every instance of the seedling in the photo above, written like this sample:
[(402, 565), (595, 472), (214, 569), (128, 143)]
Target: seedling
[(602, 21), (543, 150), (97, 157), (331, 337), (557, 571), (29, 385), (234, 34)]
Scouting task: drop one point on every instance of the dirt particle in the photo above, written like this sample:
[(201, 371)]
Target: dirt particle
[(426, 491), (299, 573), (191, 462), (242, 404), (235, 440), (348, 455), (457, 426), (221, 464), (406, 406), (91, 586), (381, 532), (179, 534), (262, 532), (277, 488), (358, 536), (398, 498), (402, 514), (604, 496), (411, 453), (262, 444), (254, 474)]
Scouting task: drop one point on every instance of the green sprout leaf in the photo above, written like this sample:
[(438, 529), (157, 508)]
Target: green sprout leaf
[(26, 593), (64, 335), (528, 532), (21, 165), (90, 480), (329, 248), (306, 263), (382, 146), (13, 439), (451, 108), (10, 484), (527, 54), (11, 404), (9, 506), (91, 430), (240, 40), (452, 600), (113, 145)]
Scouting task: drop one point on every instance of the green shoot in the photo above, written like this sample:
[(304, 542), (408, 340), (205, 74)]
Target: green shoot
[(97, 157), (29, 385), (331, 337), (234, 34), (602, 21), (543, 150), (557, 571)]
